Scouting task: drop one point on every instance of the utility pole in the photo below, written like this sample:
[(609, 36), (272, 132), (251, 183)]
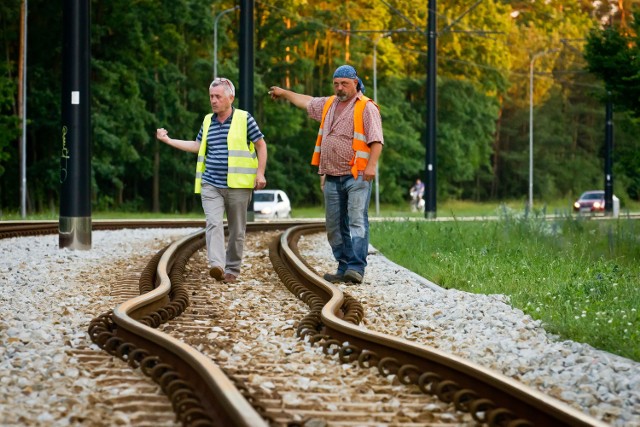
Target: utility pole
[(430, 173), (375, 99), (533, 59)]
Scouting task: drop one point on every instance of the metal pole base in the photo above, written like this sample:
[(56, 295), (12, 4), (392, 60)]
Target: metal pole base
[(75, 233)]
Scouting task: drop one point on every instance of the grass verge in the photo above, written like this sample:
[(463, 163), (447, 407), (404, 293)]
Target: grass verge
[(578, 276)]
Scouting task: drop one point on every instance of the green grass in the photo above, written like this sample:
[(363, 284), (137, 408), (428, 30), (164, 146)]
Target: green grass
[(579, 277)]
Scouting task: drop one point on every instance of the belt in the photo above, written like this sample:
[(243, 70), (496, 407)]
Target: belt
[(336, 177)]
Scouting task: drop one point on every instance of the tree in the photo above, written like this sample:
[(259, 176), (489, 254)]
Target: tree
[(615, 58)]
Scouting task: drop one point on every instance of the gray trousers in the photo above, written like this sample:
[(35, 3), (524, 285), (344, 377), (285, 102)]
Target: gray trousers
[(215, 202)]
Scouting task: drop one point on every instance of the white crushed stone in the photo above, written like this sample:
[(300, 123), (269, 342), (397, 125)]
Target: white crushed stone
[(48, 296), (488, 331)]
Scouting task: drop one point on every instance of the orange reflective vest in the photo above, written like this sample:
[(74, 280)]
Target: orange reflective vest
[(360, 148)]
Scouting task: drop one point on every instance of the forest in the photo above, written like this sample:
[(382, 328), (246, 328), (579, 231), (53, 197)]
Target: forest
[(152, 62)]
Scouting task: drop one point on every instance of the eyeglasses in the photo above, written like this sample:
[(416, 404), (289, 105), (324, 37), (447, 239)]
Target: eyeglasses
[(220, 80)]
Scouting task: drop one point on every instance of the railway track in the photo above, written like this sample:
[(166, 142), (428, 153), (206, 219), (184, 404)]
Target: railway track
[(249, 330), (205, 390), (10, 229)]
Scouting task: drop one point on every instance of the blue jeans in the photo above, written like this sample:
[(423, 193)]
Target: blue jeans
[(347, 219)]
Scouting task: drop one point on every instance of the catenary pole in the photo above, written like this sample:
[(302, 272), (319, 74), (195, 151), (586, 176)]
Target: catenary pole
[(23, 109), (608, 158), (430, 172), (246, 68), (75, 154)]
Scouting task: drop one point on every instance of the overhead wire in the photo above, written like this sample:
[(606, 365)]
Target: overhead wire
[(400, 14)]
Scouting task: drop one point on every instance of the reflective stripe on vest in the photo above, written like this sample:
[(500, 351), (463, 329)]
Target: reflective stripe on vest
[(243, 162), (360, 148)]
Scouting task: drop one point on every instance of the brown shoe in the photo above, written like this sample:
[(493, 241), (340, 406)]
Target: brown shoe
[(229, 278), (217, 273)]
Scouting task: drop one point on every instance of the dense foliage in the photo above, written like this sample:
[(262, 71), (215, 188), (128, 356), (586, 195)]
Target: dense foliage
[(152, 62)]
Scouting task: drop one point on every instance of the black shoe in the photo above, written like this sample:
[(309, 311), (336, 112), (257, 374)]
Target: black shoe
[(333, 278), (352, 276)]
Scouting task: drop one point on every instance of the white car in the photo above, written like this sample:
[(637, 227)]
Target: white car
[(271, 204)]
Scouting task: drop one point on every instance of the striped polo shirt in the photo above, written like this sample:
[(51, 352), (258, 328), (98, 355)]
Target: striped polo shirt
[(217, 162)]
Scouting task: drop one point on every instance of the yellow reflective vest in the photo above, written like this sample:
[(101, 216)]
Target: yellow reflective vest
[(243, 161), (361, 150)]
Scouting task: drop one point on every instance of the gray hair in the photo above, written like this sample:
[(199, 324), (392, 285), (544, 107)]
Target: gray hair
[(229, 88)]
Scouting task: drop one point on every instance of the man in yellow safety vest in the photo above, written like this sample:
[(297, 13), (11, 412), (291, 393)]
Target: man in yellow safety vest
[(232, 157)]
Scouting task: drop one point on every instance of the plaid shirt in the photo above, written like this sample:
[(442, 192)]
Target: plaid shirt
[(337, 138)]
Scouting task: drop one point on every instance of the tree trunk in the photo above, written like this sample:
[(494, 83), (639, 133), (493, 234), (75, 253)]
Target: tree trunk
[(346, 43), (155, 191), (287, 58)]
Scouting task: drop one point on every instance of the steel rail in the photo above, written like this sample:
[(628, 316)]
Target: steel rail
[(227, 405), (201, 394), (445, 375)]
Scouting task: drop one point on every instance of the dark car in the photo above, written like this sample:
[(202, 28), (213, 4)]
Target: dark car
[(590, 201)]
